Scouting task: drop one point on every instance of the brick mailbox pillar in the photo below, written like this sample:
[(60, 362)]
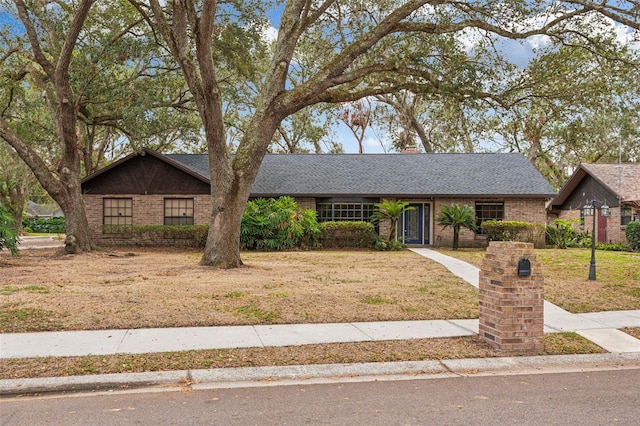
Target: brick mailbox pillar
[(511, 298)]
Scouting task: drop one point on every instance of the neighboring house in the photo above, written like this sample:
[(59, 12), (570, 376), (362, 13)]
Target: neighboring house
[(42, 210), (173, 189), (617, 185)]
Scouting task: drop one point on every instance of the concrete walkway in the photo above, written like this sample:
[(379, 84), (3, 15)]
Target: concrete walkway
[(40, 242), (601, 328)]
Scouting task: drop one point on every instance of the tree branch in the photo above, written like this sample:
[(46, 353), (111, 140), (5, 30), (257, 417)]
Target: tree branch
[(32, 35)]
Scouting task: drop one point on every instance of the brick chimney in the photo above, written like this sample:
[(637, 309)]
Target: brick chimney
[(411, 149)]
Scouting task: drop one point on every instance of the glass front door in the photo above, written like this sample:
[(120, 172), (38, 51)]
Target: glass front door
[(416, 224)]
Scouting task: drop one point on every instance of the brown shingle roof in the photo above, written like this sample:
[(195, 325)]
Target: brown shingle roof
[(623, 179)]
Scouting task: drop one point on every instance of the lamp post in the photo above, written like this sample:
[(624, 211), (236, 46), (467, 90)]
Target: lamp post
[(590, 209)]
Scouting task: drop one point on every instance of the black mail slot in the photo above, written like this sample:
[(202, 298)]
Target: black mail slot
[(524, 267)]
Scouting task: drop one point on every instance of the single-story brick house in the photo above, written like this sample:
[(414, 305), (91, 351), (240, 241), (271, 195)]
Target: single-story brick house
[(150, 188), (616, 184)]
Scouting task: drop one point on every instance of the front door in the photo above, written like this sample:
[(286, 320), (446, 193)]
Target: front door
[(602, 228), (415, 224)]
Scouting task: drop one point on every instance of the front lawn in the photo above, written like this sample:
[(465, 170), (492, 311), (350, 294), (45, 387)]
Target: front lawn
[(566, 282), (46, 290)]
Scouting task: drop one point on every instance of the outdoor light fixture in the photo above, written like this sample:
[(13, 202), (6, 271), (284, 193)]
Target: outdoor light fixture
[(590, 209)]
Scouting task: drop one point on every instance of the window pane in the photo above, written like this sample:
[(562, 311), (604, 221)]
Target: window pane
[(344, 211), (178, 211), (117, 214), (488, 211)]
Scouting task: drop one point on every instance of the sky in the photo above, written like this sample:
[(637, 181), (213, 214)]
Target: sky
[(520, 52)]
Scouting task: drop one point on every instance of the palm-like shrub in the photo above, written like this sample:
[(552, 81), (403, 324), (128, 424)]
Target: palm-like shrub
[(391, 211), (277, 224), (457, 217)]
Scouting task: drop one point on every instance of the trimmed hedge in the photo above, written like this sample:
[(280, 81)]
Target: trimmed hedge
[(513, 230), (50, 225), (162, 235), (347, 235)]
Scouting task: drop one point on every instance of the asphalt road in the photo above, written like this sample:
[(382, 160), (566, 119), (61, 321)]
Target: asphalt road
[(586, 398)]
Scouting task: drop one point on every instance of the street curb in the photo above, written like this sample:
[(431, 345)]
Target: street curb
[(91, 382), (325, 373)]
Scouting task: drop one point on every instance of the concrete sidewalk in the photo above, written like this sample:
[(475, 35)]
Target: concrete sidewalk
[(601, 328)]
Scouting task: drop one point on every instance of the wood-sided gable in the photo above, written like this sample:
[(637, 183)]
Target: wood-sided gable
[(148, 173), (582, 189)]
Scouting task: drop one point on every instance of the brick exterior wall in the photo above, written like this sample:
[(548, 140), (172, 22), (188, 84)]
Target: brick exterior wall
[(149, 210), (511, 306), (615, 231), (521, 209)]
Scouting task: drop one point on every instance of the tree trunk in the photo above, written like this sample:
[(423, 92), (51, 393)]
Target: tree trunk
[(456, 234), (223, 241), (231, 184), (64, 187), (392, 230), (78, 239)]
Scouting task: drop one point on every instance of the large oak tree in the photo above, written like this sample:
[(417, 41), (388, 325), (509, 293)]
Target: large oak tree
[(49, 60), (82, 85), (360, 49)]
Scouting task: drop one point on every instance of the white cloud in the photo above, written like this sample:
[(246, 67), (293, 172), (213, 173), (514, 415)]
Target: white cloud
[(270, 34), (538, 41)]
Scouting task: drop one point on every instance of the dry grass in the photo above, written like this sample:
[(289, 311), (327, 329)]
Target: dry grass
[(44, 290), (566, 283), (409, 350), (635, 332)]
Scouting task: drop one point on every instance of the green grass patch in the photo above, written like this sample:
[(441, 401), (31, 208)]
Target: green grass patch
[(375, 300), (9, 289), (254, 312), (28, 319), (569, 343), (566, 273)]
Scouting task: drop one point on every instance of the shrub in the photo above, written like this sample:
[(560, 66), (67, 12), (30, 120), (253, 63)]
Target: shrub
[(513, 230), (504, 230), (49, 225), (562, 234), (8, 232), (582, 240), (393, 245), (277, 224), (632, 233), (164, 235), (346, 234), (611, 247)]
